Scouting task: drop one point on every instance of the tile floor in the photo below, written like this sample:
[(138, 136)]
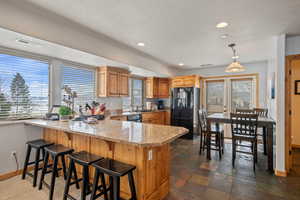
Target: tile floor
[(193, 177)]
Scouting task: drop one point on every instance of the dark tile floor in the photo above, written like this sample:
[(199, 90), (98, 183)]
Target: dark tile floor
[(193, 177)]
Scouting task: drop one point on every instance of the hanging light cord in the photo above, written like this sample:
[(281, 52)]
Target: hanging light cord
[(233, 50)]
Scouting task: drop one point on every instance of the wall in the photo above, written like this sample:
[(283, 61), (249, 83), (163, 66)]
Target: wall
[(258, 67), (13, 138), (280, 101), (292, 45)]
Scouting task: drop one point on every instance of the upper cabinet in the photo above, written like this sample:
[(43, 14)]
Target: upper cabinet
[(112, 82), (185, 81), (157, 87)]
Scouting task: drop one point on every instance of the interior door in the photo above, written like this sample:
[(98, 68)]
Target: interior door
[(295, 103)]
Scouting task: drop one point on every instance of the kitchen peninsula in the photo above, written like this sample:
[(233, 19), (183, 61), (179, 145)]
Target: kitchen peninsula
[(144, 145)]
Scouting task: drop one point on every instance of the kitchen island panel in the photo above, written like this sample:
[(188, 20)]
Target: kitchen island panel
[(152, 173)]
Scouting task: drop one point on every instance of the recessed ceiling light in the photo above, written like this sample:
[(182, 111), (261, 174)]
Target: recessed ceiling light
[(141, 44), (181, 64), (224, 36), (222, 25)]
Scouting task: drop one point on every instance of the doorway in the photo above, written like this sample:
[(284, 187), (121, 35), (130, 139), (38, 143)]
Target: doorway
[(292, 111), (226, 93)]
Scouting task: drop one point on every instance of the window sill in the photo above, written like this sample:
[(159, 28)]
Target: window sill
[(11, 122)]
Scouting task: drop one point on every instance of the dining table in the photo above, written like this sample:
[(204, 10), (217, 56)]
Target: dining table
[(266, 123)]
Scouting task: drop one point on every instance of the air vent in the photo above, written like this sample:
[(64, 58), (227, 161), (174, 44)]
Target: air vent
[(22, 41), (206, 65), (28, 42)]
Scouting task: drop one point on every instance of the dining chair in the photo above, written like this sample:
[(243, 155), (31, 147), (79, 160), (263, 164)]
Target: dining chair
[(216, 135), (244, 111), (262, 112), (244, 128)]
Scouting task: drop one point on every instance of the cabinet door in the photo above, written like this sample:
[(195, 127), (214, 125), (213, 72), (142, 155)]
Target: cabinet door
[(149, 88), (167, 118), (177, 82), (113, 83), (163, 88), (123, 84), (101, 86)]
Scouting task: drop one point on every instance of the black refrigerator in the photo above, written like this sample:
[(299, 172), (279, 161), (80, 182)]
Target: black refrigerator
[(184, 109)]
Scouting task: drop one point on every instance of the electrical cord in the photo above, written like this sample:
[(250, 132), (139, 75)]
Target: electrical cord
[(16, 159)]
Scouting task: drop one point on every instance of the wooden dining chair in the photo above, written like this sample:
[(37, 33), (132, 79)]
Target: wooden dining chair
[(244, 111), (244, 128), (216, 135), (262, 112)]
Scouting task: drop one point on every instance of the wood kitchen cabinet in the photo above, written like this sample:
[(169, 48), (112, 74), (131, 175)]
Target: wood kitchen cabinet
[(168, 117), (153, 118), (112, 82), (185, 81), (157, 87)]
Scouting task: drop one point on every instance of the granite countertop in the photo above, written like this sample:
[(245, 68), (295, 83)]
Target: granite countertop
[(134, 133), (120, 113)]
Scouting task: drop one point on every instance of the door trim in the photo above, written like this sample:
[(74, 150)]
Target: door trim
[(288, 145)]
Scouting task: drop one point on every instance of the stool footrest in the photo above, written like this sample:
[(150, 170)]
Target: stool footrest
[(76, 181), (33, 162)]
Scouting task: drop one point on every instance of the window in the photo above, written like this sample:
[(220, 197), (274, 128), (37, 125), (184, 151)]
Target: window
[(215, 96), (23, 87), (82, 81), (136, 94), (241, 94)]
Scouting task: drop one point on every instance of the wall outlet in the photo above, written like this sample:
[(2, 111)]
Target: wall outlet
[(150, 154), (13, 153)]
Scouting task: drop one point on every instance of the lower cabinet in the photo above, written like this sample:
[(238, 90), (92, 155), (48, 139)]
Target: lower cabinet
[(154, 117), (161, 117)]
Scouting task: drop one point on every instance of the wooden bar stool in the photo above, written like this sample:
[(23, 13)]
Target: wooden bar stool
[(39, 146), (55, 151), (114, 169), (84, 159)]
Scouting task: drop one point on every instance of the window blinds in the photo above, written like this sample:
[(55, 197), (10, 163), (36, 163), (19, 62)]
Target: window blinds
[(24, 85), (82, 81)]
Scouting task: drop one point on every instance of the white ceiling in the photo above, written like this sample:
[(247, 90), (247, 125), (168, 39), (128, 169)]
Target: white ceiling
[(41, 47), (177, 31)]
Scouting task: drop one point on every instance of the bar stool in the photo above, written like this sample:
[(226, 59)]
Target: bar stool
[(55, 151), (39, 145), (84, 159), (114, 169)]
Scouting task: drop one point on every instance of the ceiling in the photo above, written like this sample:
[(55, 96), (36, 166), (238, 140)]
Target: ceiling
[(177, 31), (9, 39)]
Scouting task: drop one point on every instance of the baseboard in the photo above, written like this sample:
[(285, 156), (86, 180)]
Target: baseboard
[(281, 173), (8, 175)]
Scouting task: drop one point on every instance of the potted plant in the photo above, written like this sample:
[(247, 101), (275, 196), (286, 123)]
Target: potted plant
[(65, 113)]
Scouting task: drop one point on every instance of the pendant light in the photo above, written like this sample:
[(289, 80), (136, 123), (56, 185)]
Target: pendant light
[(235, 66)]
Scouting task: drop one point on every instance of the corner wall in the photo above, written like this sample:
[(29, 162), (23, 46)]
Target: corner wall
[(13, 138)]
